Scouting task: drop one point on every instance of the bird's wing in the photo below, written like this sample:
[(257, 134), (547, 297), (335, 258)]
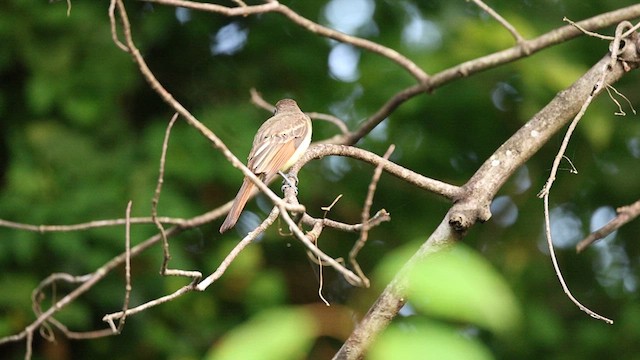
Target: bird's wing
[(276, 143), (272, 155)]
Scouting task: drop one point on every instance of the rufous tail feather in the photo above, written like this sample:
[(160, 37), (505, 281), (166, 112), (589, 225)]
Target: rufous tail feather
[(238, 204)]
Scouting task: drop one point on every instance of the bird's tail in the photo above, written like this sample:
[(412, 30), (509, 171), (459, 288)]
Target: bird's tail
[(238, 204)]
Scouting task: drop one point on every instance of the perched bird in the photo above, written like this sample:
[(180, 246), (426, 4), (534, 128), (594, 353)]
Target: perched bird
[(278, 144)]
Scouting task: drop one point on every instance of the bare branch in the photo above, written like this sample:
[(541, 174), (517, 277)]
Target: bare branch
[(473, 201), (171, 101), (380, 217), (350, 276), (587, 32), (556, 267), (114, 29), (156, 196), (620, 111), (274, 6), (86, 283), (127, 270), (394, 296), (317, 151), (502, 21), (598, 86), (257, 99), (364, 233), (132, 311), (88, 225), (625, 214), (483, 63), (478, 192), (237, 249)]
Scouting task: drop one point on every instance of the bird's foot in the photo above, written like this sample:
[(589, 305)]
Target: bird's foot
[(289, 181)]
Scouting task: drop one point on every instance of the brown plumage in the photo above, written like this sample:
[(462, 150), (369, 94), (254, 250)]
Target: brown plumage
[(278, 144)]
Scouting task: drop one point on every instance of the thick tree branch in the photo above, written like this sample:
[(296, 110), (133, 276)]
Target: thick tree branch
[(471, 201), (477, 193), (393, 297), (483, 63)]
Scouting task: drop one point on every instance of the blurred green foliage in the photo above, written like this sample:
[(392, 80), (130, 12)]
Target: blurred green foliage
[(456, 284), (81, 135), (424, 339), (274, 334)]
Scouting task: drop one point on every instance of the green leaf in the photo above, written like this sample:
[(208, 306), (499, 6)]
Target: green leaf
[(457, 284), (426, 340), (460, 285), (273, 334)]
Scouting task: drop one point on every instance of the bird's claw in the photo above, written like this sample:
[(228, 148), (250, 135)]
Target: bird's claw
[(289, 181)]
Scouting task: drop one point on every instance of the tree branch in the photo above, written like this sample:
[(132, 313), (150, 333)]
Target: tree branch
[(625, 214), (477, 193), (483, 63), (317, 151), (274, 6)]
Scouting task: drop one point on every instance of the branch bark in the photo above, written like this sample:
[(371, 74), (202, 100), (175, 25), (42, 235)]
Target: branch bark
[(473, 204)]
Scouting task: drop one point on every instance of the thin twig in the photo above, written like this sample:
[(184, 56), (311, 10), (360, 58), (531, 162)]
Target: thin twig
[(127, 270), (486, 62), (544, 193), (365, 215), (328, 208), (309, 25), (257, 99), (330, 119), (631, 30), (310, 239), (587, 32), (164, 270), (88, 225), (237, 249), (625, 214), (519, 39), (114, 29), (620, 110), (350, 276), (556, 267), (317, 151), (177, 106), (321, 282), (161, 300), (381, 216), (156, 196)]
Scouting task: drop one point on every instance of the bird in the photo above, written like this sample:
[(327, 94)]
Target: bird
[(279, 143)]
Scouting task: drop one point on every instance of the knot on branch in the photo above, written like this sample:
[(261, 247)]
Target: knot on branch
[(464, 215), (460, 221), (625, 47)]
